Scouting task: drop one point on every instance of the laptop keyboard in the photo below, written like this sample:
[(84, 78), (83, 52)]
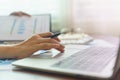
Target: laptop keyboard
[(91, 59), (75, 39)]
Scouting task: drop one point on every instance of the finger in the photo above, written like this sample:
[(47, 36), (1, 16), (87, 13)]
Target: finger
[(45, 40), (56, 38), (50, 46), (47, 46), (41, 35), (62, 46), (47, 34), (60, 49)]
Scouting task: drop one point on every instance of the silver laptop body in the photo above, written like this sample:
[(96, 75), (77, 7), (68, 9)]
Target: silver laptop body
[(95, 62)]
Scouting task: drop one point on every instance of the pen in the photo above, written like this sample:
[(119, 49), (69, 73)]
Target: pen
[(55, 35)]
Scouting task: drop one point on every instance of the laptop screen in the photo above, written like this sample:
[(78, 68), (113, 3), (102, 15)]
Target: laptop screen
[(20, 28)]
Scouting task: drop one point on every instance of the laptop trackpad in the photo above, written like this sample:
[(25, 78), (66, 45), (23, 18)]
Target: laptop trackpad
[(46, 53)]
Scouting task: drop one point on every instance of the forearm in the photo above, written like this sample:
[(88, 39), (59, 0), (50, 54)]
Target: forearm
[(7, 51)]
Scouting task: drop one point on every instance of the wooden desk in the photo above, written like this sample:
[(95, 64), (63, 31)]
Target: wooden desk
[(9, 72)]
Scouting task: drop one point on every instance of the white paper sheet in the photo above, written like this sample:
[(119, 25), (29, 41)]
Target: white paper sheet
[(20, 28)]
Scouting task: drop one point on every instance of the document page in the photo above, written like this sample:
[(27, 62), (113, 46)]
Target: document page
[(20, 28)]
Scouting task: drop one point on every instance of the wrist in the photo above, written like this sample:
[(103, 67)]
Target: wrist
[(15, 50), (6, 51)]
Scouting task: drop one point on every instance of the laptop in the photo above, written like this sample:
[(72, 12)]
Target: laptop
[(84, 61), (20, 28)]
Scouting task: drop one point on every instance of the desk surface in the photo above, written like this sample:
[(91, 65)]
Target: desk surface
[(9, 72)]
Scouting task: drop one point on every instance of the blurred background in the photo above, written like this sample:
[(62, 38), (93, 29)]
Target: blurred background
[(89, 16)]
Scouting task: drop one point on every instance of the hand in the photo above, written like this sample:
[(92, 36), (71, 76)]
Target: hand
[(20, 14), (35, 43)]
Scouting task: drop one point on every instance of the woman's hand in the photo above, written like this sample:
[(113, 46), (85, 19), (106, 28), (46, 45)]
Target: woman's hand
[(35, 43), (20, 14)]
